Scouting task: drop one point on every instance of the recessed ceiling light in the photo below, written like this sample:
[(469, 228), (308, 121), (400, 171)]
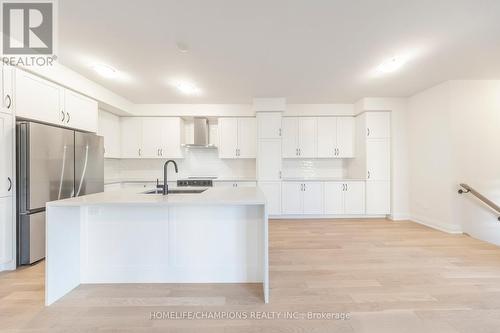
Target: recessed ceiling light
[(186, 88), (391, 65), (182, 47), (105, 71)]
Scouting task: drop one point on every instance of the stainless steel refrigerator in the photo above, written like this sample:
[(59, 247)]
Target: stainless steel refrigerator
[(52, 163)]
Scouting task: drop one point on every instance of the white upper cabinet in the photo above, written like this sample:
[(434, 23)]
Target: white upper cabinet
[(152, 137), (42, 100), (378, 160), (39, 99), (237, 138), (81, 111), (290, 141), (109, 128), (335, 137), (299, 137), (131, 137), (345, 137), (7, 83), (247, 140), (378, 125), (327, 137), (6, 153), (269, 160), (228, 137), (307, 137), (269, 125)]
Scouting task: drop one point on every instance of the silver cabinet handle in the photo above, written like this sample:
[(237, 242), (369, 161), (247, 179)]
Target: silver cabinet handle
[(300, 154), (161, 151), (8, 101), (304, 187), (279, 132), (10, 184), (67, 121), (368, 174), (157, 152), (368, 131), (139, 151), (63, 116), (280, 174)]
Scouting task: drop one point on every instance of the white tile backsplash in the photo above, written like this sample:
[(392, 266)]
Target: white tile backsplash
[(310, 168), (197, 162)]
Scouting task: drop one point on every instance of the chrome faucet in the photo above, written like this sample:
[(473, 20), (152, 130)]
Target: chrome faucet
[(165, 186)]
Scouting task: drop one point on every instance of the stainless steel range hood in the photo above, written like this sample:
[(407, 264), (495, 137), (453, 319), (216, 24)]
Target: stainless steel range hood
[(199, 137)]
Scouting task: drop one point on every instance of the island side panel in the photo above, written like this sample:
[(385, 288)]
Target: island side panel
[(265, 221), (62, 266), (216, 243)]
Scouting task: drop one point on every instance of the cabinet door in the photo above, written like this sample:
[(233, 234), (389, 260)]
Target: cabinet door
[(153, 136), (245, 184), (6, 153), (378, 159), (269, 160), (38, 99), (378, 197), (81, 111), (131, 137), (345, 137), (290, 140), (313, 198), (6, 230), (354, 198), (334, 198), (269, 125), (172, 138), (327, 136), (272, 192), (308, 137), (109, 128), (7, 102), (291, 195), (247, 138), (228, 137), (223, 184), (378, 125)]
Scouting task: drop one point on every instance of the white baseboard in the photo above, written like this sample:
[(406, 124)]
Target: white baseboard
[(396, 217), (295, 217), (434, 224)]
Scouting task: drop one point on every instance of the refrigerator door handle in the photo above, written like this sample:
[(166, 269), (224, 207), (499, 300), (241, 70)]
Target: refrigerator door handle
[(84, 170), (62, 172)]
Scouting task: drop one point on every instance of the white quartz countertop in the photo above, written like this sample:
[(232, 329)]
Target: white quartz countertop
[(212, 196), (320, 179)]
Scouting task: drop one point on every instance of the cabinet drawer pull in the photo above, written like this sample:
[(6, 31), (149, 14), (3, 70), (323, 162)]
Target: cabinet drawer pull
[(161, 151), (139, 151), (8, 101), (10, 184), (279, 132), (367, 131), (368, 174), (67, 121), (63, 116)]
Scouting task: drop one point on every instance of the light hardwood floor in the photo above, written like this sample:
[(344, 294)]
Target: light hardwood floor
[(390, 277)]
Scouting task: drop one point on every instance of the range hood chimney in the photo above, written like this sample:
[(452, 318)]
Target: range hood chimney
[(199, 138)]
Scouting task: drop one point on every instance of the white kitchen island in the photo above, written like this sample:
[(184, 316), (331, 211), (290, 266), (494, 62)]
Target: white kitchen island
[(218, 236)]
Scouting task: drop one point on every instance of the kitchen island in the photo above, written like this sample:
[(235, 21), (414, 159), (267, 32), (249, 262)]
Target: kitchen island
[(218, 236)]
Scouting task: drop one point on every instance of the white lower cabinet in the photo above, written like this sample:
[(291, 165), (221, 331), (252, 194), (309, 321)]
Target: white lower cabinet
[(234, 184), (6, 231), (378, 197), (272, 192), (302, 198), (344, 198)]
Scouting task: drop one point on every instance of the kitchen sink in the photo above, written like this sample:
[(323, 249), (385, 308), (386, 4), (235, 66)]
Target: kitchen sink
[(177, 191)]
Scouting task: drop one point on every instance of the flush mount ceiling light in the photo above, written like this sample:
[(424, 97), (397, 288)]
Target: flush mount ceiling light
[(186, 88), (392, 64), (105, 71), (182, 47)]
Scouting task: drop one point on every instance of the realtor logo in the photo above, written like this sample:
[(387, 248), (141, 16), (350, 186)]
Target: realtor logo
[(28, 28)]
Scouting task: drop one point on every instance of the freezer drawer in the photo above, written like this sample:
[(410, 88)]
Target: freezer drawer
[(31, 238)]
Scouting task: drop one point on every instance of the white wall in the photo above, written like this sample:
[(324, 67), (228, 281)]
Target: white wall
[(454, 137), (475, 129)]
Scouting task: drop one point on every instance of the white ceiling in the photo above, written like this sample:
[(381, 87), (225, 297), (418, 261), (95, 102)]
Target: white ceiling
[(318, 51)]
